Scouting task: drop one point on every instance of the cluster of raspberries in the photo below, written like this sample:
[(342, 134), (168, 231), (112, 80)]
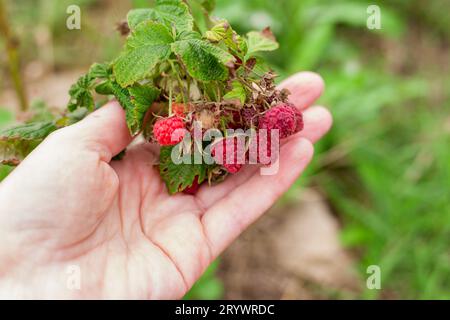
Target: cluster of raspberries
[(283, 117)]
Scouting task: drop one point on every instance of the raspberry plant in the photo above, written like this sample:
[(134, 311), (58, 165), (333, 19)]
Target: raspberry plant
[(173, 71)]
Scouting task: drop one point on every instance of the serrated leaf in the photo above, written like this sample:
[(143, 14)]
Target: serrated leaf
[(100, 71), (222, 32), (148, 45), (219, 32), (30, 131), (123, 97), (260, 41), (178, 177), (80, 94), (188, 35), (104, 88), (142, 98), (14, 150), (168, 12), (136, 101), (237, 93), (17, 142), (204, 61)]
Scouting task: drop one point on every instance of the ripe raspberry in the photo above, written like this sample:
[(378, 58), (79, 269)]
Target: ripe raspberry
[(263, 153), (192, 190), (230, 154), (299, 124), (169, 131), (283, 117)]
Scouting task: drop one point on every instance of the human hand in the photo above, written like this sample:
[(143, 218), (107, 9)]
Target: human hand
[(68, 205)]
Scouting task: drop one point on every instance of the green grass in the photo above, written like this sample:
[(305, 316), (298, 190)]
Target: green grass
[(385, 165)]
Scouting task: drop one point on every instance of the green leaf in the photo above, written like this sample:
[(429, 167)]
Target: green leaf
[(136, 101), (260, 41), (142, 98), (147, 46), (81, 95), (123, 97), (168, 12), (17, 142), (14, 150), (30, 131), (104, 88), (100, 71), (178, 177), (188, 35), (4, 171), (204, 61), (237, 93), (222, 32), (219, 32)]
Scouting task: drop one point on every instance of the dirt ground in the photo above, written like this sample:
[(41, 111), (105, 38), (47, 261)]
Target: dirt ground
[(292, 252)]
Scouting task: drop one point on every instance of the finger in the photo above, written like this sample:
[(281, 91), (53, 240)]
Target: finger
[(104, 131), (305, 88), (209, 195), (224, 221), (317, 121)]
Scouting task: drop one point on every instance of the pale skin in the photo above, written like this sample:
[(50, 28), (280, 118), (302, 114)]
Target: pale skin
[(68, 208)]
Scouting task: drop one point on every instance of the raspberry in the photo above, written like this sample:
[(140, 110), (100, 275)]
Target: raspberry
[(262, 154), (250, 117), (299, 124), (283, 117), (192, 190), (235, 120), (230, 154), (169, 131)]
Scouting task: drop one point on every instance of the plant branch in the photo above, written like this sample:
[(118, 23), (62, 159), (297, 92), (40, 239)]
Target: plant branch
[(12, 44)]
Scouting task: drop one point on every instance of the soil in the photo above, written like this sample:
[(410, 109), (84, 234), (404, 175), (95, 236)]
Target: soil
[(292, 252)]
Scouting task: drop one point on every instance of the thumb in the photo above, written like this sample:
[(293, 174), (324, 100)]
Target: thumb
[(104, 131)]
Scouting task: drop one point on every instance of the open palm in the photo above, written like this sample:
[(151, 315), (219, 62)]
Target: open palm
[(68, 211)]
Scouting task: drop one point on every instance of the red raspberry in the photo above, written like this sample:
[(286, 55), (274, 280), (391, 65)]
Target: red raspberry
[(262, 154), (169, 131), (192, 190), (230, 154), (284, 117), (299, 124)]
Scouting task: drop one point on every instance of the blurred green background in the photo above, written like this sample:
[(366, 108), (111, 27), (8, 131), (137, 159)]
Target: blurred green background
[(385, 166)]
